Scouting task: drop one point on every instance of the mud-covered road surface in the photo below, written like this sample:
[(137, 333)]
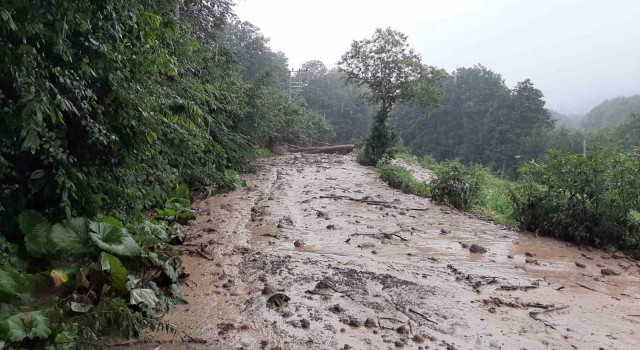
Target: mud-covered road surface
[(318, 253)]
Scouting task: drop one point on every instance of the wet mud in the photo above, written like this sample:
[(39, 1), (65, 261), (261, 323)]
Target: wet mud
[(318, 253)]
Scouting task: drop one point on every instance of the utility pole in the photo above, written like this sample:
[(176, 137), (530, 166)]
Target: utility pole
[(295, 82)]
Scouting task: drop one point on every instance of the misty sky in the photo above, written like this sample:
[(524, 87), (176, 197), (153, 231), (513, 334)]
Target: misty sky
[(578, 52)]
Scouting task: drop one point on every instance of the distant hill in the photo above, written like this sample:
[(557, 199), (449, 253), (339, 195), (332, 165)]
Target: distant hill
[(611, 112), (570, 120)]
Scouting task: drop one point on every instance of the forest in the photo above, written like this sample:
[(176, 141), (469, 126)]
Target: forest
[(115, 115)]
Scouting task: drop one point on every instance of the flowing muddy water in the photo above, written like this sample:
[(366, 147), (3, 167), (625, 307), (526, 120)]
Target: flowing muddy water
[(317, 253)]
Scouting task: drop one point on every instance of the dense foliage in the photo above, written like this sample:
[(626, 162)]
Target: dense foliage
[(344, 106), (392, 72), (109, 110), (479, 120), (590, 200)]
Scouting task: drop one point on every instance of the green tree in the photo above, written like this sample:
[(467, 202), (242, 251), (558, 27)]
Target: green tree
[(393, 72)]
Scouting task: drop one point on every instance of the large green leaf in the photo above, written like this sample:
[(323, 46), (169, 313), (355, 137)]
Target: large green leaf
[(114, 239), (72, 236), (25, 325), (117, 272), (8, 287), (143, 295), (37, 233)]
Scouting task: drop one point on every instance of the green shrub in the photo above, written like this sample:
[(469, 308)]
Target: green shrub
[(456, 185), (381, 141), (589, 200), (402, 179)]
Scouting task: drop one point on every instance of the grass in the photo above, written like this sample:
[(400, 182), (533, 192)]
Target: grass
[(403, 180), (493, 201)]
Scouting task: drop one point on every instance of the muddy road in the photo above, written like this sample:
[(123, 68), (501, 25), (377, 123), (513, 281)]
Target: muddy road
[(318, 253)]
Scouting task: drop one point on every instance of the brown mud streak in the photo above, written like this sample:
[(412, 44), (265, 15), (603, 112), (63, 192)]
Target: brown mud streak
[(429, 285)]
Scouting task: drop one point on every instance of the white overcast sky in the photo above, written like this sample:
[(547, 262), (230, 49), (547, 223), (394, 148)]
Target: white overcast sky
[(578, 52)]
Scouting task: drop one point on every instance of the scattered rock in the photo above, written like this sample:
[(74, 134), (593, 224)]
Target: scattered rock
[(617, 255), (510, 256), (336, 309), (322, 214), (474, 248), (464, 245), (399, 344), (492, 310), (369, 322), (444, 232), (418, 338), (347, 346), (295, 323), (354, 322), (580, 265), (225, 326), (609, 272), (285, 222), (277, 300), (331, 227), (374, 252), (531, 261), (304, 323), (588, 257), (403, 330), (268, 289), (529, 254), (624, 266), (298, 243), (366, 245)]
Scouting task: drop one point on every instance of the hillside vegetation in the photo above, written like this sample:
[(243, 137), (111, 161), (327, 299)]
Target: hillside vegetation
[(110, 111)]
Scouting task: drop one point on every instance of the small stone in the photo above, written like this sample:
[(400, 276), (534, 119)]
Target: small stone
[(444, 232), (374, 252), (331, 227), (510, 256), (336, 309), (295, 323), (369, 322), (403, 330), (354, 322), (617, 255), (580, 265), (609, 272), (464, 245), (304, 323), (347, 346), (531, 261), (529, 254), (588, 257), (474, 248), (399, 344), (418, 338), (298, 243), (492, 310), (342, 330), (268, 289)]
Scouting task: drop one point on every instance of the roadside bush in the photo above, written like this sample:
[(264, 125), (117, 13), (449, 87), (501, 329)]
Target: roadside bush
[(402, 179), (590, 200), (381, 141), (456, 185)]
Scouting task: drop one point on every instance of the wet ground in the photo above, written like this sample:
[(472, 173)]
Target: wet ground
[(318, 253)]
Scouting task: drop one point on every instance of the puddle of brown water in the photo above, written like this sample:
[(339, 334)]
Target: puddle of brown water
[(430, 283)]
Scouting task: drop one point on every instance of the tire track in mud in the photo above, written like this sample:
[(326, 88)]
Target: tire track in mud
[(293, 269)]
